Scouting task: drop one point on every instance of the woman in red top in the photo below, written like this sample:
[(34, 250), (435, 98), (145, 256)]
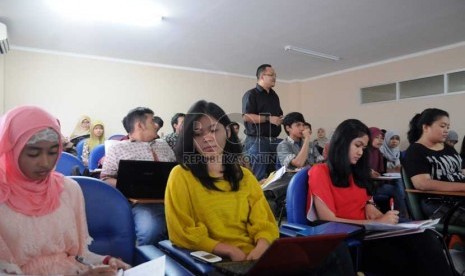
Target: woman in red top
[(341, 191), (341, 188)]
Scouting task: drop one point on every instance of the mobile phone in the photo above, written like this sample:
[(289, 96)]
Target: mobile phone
[(205, 257)]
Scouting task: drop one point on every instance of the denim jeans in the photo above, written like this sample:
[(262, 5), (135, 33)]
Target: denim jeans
[(394, 189), (150, 224), (261, 153)]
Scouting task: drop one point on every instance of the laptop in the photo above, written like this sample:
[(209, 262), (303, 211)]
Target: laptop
[(143, 179), (287, 256)]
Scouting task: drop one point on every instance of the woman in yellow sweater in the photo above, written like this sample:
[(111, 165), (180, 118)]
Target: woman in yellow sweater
[(211, 203)]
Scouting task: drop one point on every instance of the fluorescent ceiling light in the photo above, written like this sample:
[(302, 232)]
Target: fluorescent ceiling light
[(131, 12), (290, 48)]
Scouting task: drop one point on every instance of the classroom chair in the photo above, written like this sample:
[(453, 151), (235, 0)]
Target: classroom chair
[(414, 205), (95, 155), (79, 148), (111, 225), (296, 208), (68, 163), (116, 137)]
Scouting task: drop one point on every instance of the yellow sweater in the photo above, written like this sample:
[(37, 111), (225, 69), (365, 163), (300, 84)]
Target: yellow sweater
[(198, 218)]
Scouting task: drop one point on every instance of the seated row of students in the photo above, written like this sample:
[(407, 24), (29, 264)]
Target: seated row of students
[(213, 205), (340, 190), (378, 164)]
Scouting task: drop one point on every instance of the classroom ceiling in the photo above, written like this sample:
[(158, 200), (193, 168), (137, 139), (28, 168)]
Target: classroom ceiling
[(236, 36)]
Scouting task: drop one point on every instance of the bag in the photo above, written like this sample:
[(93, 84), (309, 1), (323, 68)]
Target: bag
[(275, 194), (458, 217)]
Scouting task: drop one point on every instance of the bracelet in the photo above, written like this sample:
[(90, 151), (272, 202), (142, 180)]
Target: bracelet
[(106, 260), (372, 203)]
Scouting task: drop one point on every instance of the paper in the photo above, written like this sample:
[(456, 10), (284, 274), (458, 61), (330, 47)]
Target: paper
[(386, 234), (418, 224), (155, 267), (397, 175), (274, 176)]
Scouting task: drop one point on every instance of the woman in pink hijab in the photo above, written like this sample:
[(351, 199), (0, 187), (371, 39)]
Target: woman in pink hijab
[(42, 217)]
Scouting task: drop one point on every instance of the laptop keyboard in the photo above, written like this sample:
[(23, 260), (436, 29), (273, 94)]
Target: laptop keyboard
[(235, 268)]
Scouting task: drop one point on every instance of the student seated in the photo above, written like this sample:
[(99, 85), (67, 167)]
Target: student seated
[(341, 190), (97, 137), (390, 188), (297, 150), (43, 225), (213, 204), (433, 165), (81, 130), (149, 218)]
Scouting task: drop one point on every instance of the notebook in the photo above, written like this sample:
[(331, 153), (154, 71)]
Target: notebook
[(143, 179), (287, 256), (294, 229)]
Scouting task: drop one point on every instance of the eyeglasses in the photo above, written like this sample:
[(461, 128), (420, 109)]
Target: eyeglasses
[(271, 75)]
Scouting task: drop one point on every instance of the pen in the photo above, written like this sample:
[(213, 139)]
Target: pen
[(391, 203), (83, 261)]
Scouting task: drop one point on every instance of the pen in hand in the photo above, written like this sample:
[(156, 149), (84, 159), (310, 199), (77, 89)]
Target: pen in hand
[(391, 203), (83, 261)]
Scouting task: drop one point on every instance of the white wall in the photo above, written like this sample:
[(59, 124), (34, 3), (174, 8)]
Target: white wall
[(2, 82), (329, 100), (69, 86)]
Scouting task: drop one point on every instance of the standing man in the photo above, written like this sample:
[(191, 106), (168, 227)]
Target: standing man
[(262, 116), (176, 123)]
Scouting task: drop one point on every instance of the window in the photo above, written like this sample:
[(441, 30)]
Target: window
[(456, 82), (422, 87), (379, 93)]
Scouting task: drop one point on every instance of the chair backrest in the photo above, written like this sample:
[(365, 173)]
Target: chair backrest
[(413, 199), (79, 148), (296, 198), (109, 219), (95, 155), (67, 163), (116, 137)]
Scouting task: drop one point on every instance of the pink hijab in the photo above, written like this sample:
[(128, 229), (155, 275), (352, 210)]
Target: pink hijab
[(20, 193)]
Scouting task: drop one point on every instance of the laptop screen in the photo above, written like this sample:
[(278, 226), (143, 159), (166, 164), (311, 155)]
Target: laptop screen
[(143, 179)]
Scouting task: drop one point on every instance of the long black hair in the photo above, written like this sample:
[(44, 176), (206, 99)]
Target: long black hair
[(427, 117), (190, 158), (338, 162)]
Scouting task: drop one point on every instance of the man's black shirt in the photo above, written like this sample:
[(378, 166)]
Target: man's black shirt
[(258, 101)]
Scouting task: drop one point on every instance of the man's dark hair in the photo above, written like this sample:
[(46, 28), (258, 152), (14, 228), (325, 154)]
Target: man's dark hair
[(174, 120), (159, 121), (235, 124), (293, 117), (137, 114), (260, 69)]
